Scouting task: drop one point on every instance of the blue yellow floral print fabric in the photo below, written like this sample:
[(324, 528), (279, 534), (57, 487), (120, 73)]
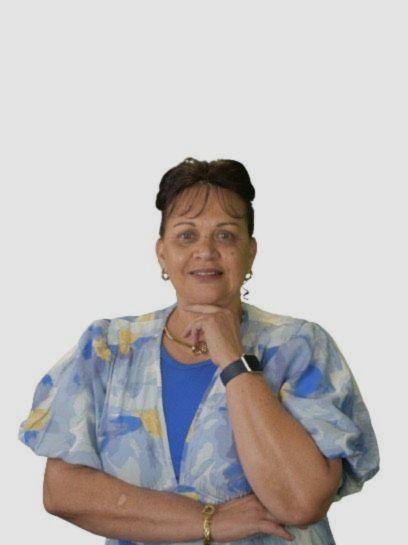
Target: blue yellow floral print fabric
[(101, 406)]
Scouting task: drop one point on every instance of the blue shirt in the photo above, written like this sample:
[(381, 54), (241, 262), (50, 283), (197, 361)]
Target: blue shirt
[(183, 389), (101, 405)]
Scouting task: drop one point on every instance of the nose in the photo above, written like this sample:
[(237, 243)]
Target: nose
[(206, 248)]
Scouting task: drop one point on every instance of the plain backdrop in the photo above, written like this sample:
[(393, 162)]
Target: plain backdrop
[(99, 99)]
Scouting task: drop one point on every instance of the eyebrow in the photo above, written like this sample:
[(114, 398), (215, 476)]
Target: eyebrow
[(218, 224)]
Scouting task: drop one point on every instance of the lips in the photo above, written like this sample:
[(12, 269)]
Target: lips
[(204, 272)]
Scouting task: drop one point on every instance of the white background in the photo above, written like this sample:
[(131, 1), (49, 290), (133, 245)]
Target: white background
[(99, 99)]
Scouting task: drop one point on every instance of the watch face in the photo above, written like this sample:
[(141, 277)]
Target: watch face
[(253, 362)]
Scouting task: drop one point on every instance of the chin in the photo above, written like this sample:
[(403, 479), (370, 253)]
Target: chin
[(205, 299)]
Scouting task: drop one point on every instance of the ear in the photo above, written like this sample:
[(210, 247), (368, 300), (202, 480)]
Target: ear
[(160, 252), (253, 248)]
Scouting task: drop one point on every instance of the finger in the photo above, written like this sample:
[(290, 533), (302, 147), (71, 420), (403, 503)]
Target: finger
[(195, 335), (192, 332), (196, 323), (191, 328)]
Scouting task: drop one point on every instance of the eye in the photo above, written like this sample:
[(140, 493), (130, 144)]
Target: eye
[(186, 235), (226, 235)]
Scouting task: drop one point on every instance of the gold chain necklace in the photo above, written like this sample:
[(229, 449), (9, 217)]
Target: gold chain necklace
[(198, 348)]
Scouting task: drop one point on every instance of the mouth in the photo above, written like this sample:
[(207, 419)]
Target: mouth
[(206, 272)]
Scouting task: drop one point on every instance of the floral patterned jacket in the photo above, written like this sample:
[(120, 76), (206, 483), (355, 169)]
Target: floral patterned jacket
[(101, 406)]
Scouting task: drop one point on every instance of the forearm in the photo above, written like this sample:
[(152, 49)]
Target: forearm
[(112, 508), (281, 461)]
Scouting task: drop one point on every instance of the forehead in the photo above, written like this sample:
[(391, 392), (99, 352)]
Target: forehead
[(206, 202)]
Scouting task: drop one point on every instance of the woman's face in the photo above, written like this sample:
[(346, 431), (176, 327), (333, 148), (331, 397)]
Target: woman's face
[(214, 241)]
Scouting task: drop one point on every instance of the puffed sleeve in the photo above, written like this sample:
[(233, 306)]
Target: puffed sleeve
[(68, 401), (319, 390)]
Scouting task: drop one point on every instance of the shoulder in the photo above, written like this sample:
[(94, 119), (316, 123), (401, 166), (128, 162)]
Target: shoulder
[(271, 326), (263, 316), (94, 340), (299, 351), (286, 325), (294, 336), (110, 335)]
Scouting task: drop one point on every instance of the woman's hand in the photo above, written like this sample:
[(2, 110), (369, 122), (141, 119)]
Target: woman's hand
[(245, 517), (221, 329)]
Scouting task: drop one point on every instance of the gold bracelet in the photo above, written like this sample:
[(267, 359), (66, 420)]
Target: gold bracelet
[(208, 511)]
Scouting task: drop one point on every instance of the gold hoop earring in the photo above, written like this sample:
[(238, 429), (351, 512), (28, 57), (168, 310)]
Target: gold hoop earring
[(249, 277), (164, 275)]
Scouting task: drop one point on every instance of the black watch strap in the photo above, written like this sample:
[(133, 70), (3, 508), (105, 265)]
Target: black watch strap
[(247, 363)]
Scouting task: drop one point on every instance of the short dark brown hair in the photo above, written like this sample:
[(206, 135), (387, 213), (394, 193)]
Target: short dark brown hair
[(221, 173)]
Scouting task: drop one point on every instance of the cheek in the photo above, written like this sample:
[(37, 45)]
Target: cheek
[(236, 264), (233, 253), (177, 262), (236, 258)]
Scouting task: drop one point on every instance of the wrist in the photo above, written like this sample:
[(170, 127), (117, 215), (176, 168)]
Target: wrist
[(217, 529), (246, 363), (230, 358), (208, 511)]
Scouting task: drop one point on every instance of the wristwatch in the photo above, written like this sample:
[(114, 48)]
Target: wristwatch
[(247, 363)]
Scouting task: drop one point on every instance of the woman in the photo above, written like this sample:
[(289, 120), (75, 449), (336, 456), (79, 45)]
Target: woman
[(210, 419)]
